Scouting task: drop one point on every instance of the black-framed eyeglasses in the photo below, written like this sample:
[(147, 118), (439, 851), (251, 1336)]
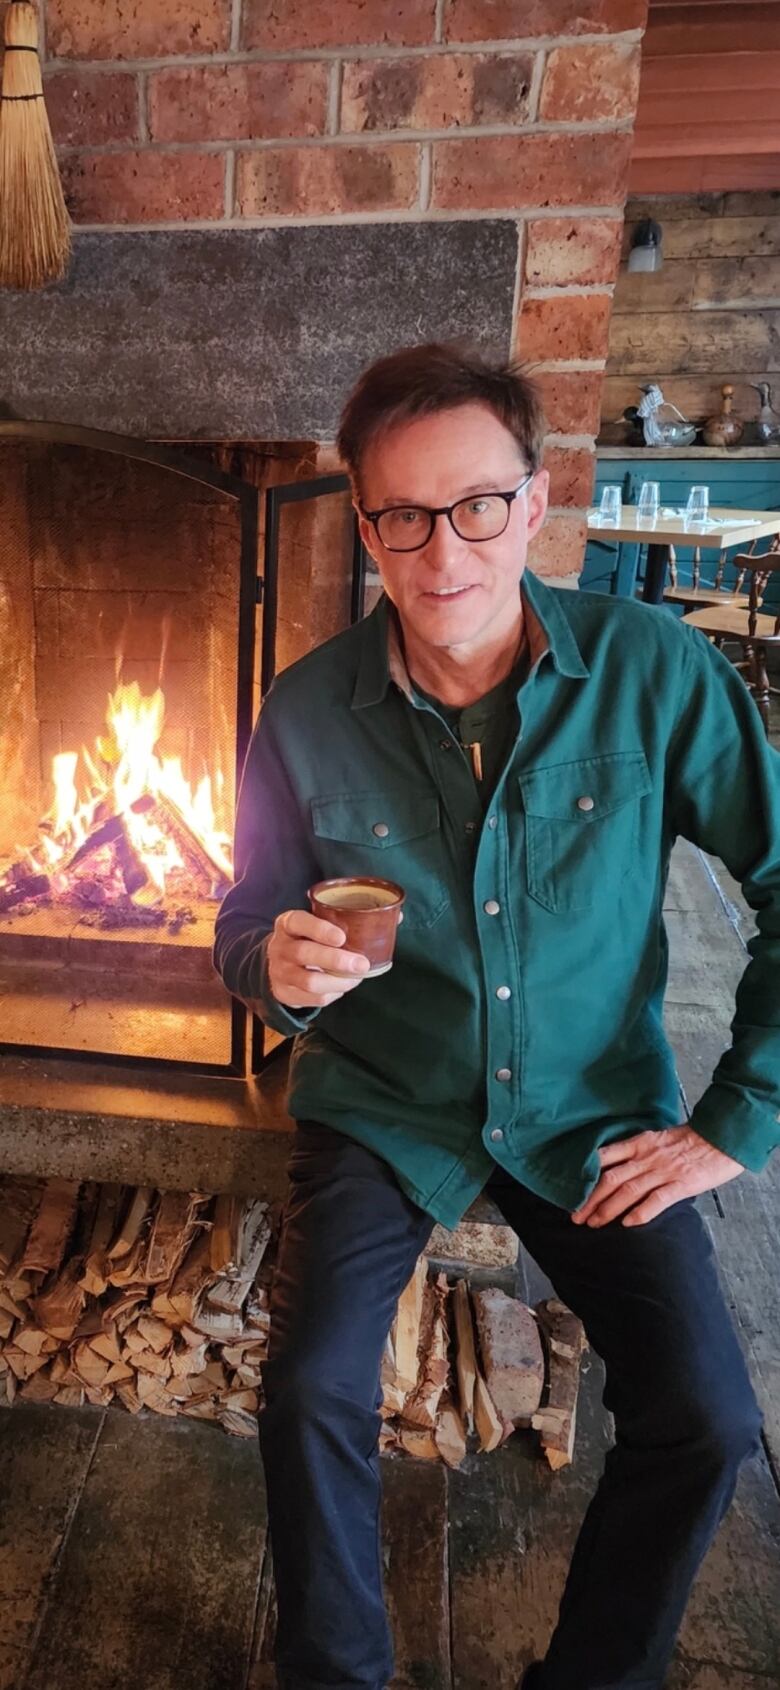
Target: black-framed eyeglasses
[(482, 516)]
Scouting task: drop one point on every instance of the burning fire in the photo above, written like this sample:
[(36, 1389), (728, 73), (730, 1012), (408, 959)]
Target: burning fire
[(126, 814)]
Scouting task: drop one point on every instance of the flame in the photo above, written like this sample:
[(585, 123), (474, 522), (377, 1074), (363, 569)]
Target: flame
[(124, 767)]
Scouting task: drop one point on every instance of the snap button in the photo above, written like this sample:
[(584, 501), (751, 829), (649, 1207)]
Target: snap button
[(445, 744), (585, 803), (492, 821), (381, 830), (471, 827), (503, 1074), (491, 907), (504, 993), (496, 1135)]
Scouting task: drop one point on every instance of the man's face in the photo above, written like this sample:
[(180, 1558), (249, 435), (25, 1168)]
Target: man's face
[(435, 461)]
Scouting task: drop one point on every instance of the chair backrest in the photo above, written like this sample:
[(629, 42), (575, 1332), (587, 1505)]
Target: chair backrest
[(759, 567)]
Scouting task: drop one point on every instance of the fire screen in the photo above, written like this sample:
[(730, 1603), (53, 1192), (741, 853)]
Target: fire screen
[(128, 602)]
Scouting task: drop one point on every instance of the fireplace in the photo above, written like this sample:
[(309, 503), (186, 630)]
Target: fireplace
[(142, 629)]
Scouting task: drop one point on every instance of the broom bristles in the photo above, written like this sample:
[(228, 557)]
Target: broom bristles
[(35, 227)]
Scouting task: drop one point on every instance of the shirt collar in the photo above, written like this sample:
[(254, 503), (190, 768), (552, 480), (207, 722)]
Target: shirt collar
[(382, 657)]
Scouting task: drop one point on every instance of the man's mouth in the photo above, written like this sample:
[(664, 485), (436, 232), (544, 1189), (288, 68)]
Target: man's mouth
[(448, 592)]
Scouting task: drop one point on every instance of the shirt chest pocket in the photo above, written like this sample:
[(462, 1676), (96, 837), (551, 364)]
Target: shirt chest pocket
[(582, 827), (395, 835)]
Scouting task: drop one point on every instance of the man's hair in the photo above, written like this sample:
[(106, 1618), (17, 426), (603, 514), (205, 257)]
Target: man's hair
[(418, 381)]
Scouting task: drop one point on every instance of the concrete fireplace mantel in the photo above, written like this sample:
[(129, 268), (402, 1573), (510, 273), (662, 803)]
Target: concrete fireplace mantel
[(245, 334)]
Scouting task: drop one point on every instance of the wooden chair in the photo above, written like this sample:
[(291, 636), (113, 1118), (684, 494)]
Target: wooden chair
[(755, 630), (698, 597)]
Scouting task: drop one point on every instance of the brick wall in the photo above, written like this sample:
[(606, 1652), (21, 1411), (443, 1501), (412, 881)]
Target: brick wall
[(232, 113)]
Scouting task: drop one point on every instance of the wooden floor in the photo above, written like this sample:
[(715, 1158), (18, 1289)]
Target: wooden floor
[(133, 1553)]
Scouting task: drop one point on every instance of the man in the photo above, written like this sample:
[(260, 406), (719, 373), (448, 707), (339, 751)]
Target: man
[(520, 760)]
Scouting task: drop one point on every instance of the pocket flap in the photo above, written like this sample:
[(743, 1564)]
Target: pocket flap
[(378, 819), (586, 790)]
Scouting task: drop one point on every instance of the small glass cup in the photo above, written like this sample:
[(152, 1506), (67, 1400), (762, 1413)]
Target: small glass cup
[(697, 508), (649, 501), (611, 507)]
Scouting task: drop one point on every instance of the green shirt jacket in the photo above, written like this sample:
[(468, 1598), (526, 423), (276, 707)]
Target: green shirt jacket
[(521, 1023)]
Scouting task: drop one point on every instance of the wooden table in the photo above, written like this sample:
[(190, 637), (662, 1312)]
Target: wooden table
[(724, 529)]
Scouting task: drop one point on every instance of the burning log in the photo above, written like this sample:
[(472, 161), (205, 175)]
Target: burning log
[(107, 834), (22, 889), (207, 871), (113, 832)]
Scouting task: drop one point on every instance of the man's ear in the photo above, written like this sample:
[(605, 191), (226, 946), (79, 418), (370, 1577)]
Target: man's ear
[(367, 532), (538, 499)]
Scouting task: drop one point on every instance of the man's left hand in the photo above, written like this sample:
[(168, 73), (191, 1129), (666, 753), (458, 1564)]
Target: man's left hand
[(642, 1176)]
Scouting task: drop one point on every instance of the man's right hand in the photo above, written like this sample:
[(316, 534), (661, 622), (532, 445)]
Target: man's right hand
[(307, 964)]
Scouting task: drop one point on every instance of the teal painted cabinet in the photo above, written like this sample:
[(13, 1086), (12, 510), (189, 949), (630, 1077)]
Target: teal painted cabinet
[(738, 483)]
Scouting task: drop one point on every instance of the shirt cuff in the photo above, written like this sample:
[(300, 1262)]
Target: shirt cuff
[(742, 1126), (277, 1015)]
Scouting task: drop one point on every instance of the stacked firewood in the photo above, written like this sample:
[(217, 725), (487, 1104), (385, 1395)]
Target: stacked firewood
[(464, 1368), (155, 1300), (160, 1301)]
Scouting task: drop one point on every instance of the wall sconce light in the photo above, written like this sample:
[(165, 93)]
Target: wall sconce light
[(646, 246)]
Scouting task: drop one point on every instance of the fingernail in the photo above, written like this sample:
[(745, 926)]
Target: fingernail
[(360, 965)]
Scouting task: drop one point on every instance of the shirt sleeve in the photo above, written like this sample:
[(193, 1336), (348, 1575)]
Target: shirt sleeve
[(725, 797), (274, 866)]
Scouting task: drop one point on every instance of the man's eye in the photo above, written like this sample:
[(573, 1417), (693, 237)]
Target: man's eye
[(478, 506)]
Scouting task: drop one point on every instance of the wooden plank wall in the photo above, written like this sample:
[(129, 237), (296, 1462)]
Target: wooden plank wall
[(710, 315), (709, 100)]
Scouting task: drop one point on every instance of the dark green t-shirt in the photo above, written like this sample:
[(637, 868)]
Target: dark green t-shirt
[(490, 724)]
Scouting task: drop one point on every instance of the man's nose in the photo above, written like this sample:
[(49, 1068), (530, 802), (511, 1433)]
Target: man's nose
[(445, 547)]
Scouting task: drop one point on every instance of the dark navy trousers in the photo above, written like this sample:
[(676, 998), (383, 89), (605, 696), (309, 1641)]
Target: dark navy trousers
[(676, 1383)]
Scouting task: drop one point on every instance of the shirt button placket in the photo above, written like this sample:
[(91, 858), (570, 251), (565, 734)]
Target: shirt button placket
[(497, 954)]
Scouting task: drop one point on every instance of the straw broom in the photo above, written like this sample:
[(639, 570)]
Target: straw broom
[(34, 222)]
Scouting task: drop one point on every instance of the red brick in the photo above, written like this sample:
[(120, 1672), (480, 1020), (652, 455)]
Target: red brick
[(591, 84), (509, 20), (493, 172), (565, 251), (559, 548), (281, 26), (86, 109), (316, 181), (572, 400), (135, 29), (567, 326), (439, 92), (143, 187), (244, 102), (571, 474)]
